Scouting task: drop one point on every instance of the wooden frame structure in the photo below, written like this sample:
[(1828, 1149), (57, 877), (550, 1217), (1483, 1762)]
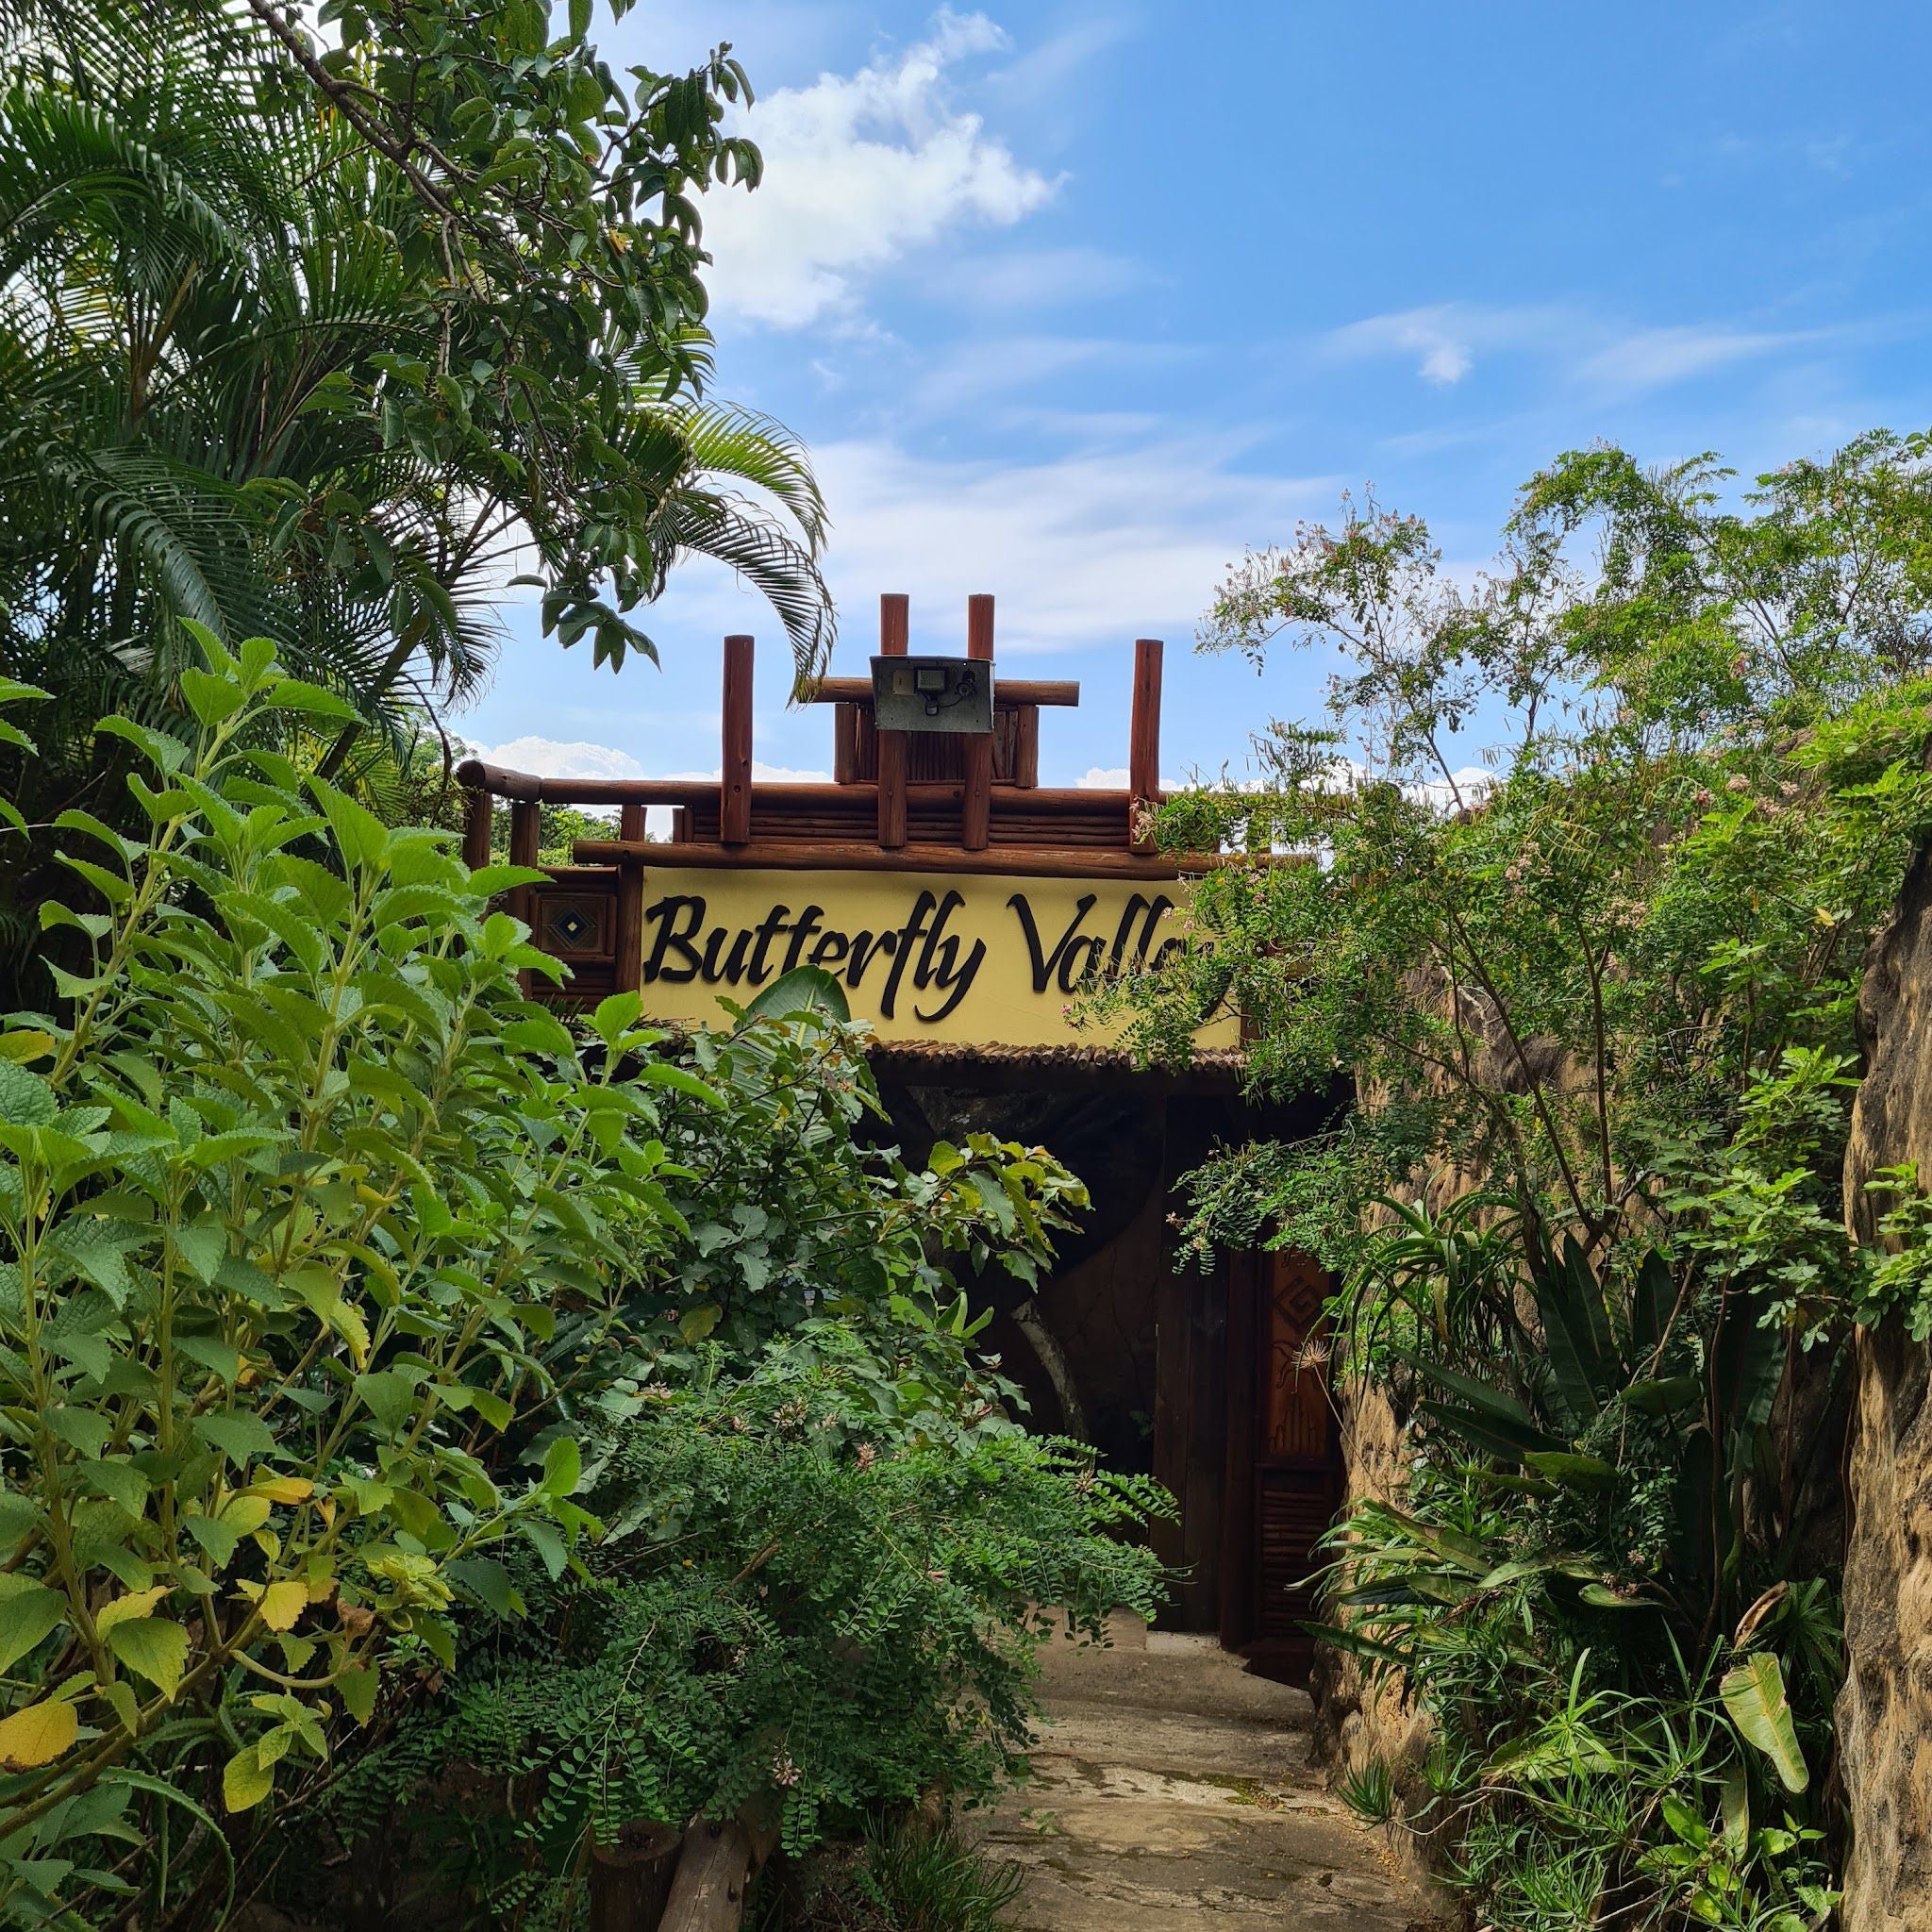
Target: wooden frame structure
[(898, 800), (1204, 1351)]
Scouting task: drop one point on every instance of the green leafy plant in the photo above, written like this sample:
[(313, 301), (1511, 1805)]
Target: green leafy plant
[(819, 1597), (294, 1187)]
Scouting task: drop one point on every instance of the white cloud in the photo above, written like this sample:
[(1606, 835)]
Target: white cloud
[(1445, 337), (1103, 778), (1597, 351), (1651, 357), (1105, 543), (552, 758), (859, 169)]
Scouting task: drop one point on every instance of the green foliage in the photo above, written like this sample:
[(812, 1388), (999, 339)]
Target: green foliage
[(338, 1278), (1598, 1001), (910, 1876), (317, 345), (294, 1185), (820, 1594)]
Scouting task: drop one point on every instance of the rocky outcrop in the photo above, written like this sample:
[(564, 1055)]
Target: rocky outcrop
[(1360, 1722), (1885, 1709)]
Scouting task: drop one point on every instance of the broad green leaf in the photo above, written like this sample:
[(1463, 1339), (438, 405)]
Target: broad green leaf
[(37, 1735), (153, 1648), (26, 1617), (246, 1780), (357, 1689), (26, 1099), (237, 1434), (1754, 1695)]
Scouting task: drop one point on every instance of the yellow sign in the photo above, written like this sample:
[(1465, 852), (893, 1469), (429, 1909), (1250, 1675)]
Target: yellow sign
[(922, 956)]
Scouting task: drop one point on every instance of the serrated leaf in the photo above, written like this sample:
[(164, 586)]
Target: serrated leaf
[(26, 1099), (124, 1610), (358, 1688), (153, 1648), (282, 1603), (237, 1434), (37, 1735)]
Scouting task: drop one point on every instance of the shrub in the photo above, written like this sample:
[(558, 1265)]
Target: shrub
[(819, 1597), (293, 1192)]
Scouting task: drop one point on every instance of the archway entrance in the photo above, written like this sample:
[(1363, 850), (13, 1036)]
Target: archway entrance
[(961, 907)]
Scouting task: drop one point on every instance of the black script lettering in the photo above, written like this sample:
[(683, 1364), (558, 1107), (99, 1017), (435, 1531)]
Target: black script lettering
[(831, 951), (939, 962), (1046, 965), (808, 923), (770, 926), (863, 945), (677, 920), (901, 952), (1081, 962), (1122, 932), (732, 968), (1161, 907)]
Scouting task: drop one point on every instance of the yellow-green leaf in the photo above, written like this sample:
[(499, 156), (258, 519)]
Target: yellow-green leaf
[(153, 1648), (130, 1608), (282, 1603), (37, 1735), (245, 1781), (1754, 1693)]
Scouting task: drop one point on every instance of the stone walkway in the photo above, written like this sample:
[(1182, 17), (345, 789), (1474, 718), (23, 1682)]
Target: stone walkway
[(1174, 1791)]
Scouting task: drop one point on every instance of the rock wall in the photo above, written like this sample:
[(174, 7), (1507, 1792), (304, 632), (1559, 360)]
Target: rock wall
[(1359, 1724), (1885, 1709)]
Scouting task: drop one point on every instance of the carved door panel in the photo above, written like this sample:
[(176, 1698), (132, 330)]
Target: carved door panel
[(1297, 1465)]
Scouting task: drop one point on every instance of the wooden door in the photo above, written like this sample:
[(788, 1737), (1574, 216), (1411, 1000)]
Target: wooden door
[(1284, 1465)]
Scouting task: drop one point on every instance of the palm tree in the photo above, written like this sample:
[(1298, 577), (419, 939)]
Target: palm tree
[(232, 388)]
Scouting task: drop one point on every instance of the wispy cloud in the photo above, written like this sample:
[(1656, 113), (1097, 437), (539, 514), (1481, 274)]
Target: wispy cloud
[(1445, 337), (1096, 545), (1651, 357), (1596, 351), (861, 169)]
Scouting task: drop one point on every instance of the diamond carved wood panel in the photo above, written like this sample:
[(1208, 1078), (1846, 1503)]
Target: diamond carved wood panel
[(576, 925)]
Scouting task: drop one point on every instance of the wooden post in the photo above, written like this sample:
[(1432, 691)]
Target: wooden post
[(976, 811), (476, 817), (844, 745), (1026, 746), (526, 835), (631, 1879), (734, 788), (628, 939), (895, 634), (1143, 745), (714, 1874)]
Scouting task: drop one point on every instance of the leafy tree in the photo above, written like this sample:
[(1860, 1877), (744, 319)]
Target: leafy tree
[(333, 1269), (324, 345), (1598, 1000)]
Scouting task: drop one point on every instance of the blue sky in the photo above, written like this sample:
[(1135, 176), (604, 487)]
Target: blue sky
[(1074, 304)]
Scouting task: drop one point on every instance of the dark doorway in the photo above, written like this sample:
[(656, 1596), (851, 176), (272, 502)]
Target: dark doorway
[(1284, 1465)]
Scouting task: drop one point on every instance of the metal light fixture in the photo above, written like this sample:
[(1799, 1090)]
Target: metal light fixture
[(932, 693)]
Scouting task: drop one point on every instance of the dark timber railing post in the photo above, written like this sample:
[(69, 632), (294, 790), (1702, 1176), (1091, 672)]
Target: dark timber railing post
[(975, 828), (734, 787), (895, 634), (525, 837), (1144, 745), (627, 934), (478, 812)]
